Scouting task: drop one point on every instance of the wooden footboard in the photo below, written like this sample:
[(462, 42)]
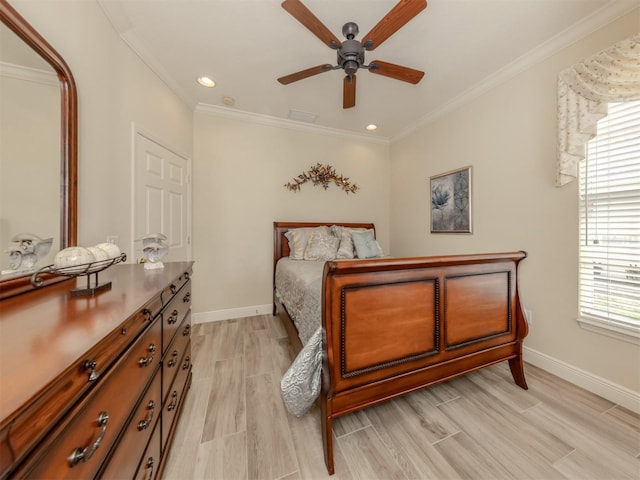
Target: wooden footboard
[(394, 325)]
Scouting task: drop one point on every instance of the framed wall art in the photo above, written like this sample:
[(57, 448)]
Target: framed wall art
[(451, 201)]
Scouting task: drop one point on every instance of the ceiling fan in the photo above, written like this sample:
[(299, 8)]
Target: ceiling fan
[(351, 51)]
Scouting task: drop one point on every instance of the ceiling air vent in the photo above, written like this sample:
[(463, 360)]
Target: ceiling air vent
[(302, 116)]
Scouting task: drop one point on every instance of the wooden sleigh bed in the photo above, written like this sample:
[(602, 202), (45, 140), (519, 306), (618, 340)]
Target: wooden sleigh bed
[(394, 325)]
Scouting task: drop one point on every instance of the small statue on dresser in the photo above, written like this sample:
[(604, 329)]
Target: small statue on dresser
[(155, 248), (25, 250)]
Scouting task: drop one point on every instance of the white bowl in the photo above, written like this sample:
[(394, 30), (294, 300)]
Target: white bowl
[(72, 257), (111, 249)]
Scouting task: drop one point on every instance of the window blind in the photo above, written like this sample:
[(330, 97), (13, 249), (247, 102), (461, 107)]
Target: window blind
[(609, 264)]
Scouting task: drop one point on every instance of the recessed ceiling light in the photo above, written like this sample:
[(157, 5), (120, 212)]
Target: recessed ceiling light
[(228, 101), (206, 82), (371, 127)]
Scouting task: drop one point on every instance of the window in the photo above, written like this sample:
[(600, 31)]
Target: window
[(610, 226)]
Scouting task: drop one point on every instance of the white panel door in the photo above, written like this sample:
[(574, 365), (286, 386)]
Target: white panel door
[(161, 193)]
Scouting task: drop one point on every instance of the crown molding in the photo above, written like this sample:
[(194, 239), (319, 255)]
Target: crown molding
[(268, 120), (121, 23), (140, 49), (609, 12), (21, 72), (117, 15)]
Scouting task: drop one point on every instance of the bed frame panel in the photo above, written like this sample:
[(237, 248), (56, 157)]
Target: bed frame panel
[(394, 325)]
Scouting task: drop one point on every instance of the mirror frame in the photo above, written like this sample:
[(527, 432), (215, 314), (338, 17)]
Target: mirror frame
[(68, 143)]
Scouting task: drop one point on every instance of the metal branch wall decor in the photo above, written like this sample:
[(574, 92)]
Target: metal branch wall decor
[(322, 175)]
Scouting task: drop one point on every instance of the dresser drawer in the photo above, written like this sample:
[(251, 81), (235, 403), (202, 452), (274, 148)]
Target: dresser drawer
[(123, 463), (150, 464), (174, 313), (175, 286), (175, 353), (78, 446), (79, 377), (173, 402)]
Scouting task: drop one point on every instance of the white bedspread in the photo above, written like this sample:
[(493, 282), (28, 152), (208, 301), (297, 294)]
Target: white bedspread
[(298, 287)]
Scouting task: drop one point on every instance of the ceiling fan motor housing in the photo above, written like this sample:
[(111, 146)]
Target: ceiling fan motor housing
[(351, 56)]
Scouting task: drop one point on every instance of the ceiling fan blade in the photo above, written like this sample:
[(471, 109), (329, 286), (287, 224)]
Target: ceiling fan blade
[(398, 72), (301, 13), (309, 72), (398, 16), (349, 91)]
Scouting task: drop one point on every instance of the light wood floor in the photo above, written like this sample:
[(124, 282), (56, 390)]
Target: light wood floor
[(480, 426)]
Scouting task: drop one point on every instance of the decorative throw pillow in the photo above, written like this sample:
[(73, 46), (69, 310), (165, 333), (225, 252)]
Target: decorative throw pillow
[(336, 230), (322, 245), (345, 250), (298, 238), (366, 245)]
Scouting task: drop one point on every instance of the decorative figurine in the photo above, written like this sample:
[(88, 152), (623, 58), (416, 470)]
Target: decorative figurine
[(155, 249), (25, 250)]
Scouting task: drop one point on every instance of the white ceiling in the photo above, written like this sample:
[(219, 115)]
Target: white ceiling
[(464, 46)]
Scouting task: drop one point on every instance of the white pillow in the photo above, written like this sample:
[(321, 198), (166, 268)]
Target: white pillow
[(366, 245), (322, 245), (298, 238), (345, 250)]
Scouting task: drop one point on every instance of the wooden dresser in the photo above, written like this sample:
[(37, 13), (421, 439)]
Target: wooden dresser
[(93, 386)]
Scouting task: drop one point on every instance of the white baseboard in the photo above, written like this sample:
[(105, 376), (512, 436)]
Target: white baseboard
[(217, 315), (611, 391)]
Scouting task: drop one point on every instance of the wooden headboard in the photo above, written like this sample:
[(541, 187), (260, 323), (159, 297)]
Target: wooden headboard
[(281, 244)]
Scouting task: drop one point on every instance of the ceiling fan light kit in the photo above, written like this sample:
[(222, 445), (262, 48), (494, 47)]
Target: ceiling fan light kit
[(351, 52)]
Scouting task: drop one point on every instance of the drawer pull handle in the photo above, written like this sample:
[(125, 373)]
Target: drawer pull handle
[(148, 313), (174, 401), (187, 360), (173, 318), (145, 362), (173, 289), (91, 365), (83, 454), (150, 464), (174, 360), (187, 297), (186, 331), (147, 421)]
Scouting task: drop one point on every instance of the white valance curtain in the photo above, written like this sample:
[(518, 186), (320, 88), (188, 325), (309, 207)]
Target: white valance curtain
[(584, 90)]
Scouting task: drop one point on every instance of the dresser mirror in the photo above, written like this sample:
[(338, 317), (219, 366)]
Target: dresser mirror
[(38, 151)]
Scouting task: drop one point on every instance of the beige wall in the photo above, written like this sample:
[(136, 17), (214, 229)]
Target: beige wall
[(115, 90), (508, 136), (240, 169)]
